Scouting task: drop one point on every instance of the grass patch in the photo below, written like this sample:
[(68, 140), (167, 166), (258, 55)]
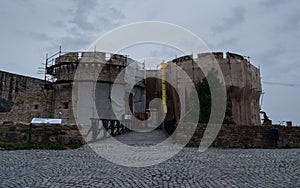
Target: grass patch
[(74, 146), (191, 145), (39, 145)]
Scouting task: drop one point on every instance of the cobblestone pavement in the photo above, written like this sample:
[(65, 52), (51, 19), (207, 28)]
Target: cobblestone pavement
[(189, 168)]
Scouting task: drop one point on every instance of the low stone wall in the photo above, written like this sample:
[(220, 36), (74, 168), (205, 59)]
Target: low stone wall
[(19, 133), (230, 136), (237, 136)]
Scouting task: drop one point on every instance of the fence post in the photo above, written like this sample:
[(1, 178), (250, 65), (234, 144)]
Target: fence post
[(29, 132)]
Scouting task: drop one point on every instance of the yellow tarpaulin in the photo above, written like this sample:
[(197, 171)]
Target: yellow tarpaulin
[(163, 86)]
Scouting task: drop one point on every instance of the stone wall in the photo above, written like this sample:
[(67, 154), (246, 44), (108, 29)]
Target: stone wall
[(27, 96), (28, 105), (19, 133), (241, 136), (11, 85)]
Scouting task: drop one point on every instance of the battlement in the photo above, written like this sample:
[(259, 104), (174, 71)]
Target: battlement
[(70, 57), (64, 66), (230, 55), (217, 55), (183, 58), (90, 57), (224, 56)]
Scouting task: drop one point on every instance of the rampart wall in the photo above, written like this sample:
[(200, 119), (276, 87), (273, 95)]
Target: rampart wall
[(246, 136), (19, 133), (26, 96), (230, 136), (12, 84)]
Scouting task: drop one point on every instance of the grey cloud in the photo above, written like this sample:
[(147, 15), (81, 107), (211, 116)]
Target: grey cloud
[(88, 21), (237, 17), (166, 53), (272, 55), (75, 43), (3, 13), (277, 66), (291, 22), (154, 50), (40, 36), (227, 42), (92, 16), (289, 12), (82, 10), (273, 3)]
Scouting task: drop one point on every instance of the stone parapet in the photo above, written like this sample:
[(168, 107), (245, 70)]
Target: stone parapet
[(245, 136), (19, 133)]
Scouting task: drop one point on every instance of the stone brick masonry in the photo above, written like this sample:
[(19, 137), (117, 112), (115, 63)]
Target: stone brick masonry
[(237, 136), (230, 136), (19, 133), (27, 96)]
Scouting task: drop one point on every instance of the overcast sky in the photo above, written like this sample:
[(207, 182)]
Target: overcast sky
[(266, 30)]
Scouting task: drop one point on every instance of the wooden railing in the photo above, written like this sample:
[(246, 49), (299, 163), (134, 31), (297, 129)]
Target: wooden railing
[(108, 128)]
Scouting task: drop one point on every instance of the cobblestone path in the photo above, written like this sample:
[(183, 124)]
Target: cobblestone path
[(189, 168), (142, 138)]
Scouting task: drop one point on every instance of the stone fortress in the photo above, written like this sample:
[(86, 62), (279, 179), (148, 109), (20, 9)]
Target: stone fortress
[(242, 82), (52, 97), (23, 98)]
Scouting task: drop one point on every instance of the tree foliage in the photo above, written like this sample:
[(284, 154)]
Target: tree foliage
[(205, 98)]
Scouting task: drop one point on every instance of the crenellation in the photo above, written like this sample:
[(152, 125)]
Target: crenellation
[(93, 57), (234, 56), (183, 59), (118, 59), (67, 58), (218, 55)]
